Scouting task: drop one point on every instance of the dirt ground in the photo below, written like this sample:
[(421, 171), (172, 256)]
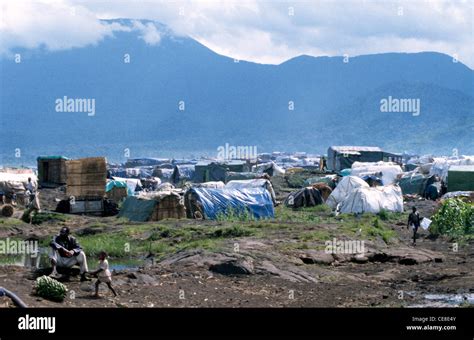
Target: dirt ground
[(265, 274)]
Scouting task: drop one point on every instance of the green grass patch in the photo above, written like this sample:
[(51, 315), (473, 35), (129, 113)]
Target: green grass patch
[(10, 222)]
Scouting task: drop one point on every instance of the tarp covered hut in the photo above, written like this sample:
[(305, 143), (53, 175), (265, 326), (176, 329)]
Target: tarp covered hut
[(117, 190), (342, 157), (51, 170), (182, 172), (343, 190), (253, 183), (212, 203), (415, 183), (217, 171), (373, 200), (306, 197), (160, 205)]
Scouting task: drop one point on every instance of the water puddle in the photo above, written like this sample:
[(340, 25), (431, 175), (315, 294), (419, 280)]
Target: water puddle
[(446, 300)]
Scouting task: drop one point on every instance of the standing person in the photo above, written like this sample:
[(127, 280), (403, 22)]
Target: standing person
[(30, 190), (103, 274), (414, 220), (66, 252)]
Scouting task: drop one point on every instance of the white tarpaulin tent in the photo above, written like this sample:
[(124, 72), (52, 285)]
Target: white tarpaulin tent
[(387, 171), (373, 200), (132, 183), (343, 189), (16, 183), (253, 183)]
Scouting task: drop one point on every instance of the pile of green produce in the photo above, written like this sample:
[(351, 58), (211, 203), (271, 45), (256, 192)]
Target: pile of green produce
[(50, 289), (455, 218)]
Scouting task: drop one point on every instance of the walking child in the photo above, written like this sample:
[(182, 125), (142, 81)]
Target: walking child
[(103, 274)]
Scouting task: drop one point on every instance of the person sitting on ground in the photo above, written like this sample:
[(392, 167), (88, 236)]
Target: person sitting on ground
[(414, 220), (66, 252), (103, 274)]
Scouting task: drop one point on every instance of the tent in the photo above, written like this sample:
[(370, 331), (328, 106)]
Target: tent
[(373, 200), (211, 203), (205, 171), (253, 183), (15, 183), (415, 183), (441, 165), (209, 185), (306, 197), (153, 208), (270, 168), (232, 176), (133, 184), (183, 172), (386, 171), (343, 189), (117, 190)]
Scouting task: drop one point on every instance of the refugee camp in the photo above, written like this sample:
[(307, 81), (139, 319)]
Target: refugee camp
[(271, 216)]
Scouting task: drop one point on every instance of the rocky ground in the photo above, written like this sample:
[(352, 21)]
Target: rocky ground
[(258, 264)]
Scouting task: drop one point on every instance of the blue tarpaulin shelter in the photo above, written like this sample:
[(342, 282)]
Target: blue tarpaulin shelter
[(214, 202), (136, 209)]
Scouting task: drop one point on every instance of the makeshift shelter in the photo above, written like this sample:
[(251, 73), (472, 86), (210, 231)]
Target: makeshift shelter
[(212, 203), (342, 157), (386, 171), (415, 183), (51, 171), (373, 200), (133, 184), (86, 177), (209, 185), (138, 162), (343, 190), (183, 172), (461, 178), (325, 179), (253, 183), (269, 168), (13, 184), (164, 174), (163, 204), (441, 165), (235, 176), (117, 190), (324, 189), (217, 171), (306, 197)]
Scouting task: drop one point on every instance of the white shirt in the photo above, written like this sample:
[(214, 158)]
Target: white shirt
[(105, 272)]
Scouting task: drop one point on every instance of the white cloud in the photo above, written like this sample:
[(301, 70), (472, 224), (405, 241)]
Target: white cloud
[(52, 24), (149, 32), (260, 31)]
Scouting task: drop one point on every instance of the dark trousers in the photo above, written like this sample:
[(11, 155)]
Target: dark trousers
[(415, 229)]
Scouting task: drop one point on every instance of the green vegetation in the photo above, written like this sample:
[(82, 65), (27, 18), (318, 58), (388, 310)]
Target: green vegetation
[(161, 239), (40, 217), (234, 215), (455, 218), (10, 221)]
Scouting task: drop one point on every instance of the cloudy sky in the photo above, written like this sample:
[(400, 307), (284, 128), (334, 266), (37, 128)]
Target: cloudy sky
[(257, 30)]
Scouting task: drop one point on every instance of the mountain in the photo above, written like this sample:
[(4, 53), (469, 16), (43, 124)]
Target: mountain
[(240, 103)]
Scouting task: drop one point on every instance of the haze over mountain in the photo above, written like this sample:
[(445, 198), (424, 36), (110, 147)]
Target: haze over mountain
[(137, 104)]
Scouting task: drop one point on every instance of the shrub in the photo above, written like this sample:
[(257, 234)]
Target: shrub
[(455, 218)]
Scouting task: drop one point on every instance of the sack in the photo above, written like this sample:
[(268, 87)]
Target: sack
[(425, 223)]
